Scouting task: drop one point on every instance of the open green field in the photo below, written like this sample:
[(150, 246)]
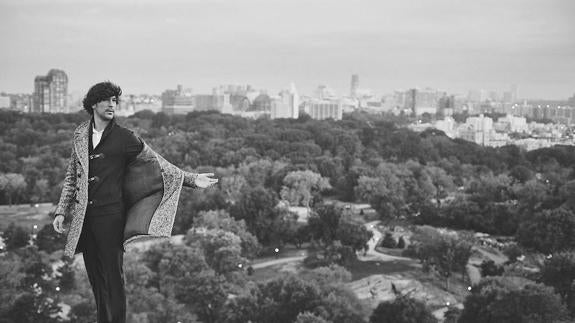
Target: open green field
[(25, 215)]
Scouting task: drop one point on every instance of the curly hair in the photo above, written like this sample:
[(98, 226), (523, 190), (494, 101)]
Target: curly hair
[(100, 92)]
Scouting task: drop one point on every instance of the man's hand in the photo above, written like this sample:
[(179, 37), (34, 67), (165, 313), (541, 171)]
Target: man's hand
[(58, 223), (205, 180)]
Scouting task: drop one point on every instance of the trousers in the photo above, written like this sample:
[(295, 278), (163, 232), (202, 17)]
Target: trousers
[(103, 253)]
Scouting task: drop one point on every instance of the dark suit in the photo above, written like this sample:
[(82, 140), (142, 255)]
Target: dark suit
[(101, 240), (143, 208)]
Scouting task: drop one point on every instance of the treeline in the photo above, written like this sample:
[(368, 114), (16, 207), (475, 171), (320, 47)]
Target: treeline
[(425, 177), (266, 165)]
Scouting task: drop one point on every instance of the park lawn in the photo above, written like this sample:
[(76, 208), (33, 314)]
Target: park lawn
[(266, 273), (25, 215), (397, 252), (362, 269)]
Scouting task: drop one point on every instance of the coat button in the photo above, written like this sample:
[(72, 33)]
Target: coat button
[(79, 175)]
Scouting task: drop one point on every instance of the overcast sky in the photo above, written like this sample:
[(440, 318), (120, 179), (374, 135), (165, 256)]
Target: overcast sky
[(148, 46)]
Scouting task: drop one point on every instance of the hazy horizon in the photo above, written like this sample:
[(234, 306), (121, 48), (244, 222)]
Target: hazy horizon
[(149, 46)]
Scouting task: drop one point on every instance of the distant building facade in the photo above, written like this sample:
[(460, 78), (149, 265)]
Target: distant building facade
[(421, 101), (5, 102), (478, 130), (216, 101), (286, 105), (51, 92), (178, 101), (325, 109), (354, 85)]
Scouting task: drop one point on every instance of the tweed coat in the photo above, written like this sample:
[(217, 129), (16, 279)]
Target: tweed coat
[(152, 189)]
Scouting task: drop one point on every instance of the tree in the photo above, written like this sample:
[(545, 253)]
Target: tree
[(49, 240), (513, 252), (29, 308), (444, 254), (323, 223), (401, 243), (489, 188), (182, 277), (489, 268), (402, 310), (452, 315), (385, 190), (147, 303), (205, 292), (66, 276), (559, 273), (12, 184), (279, 300), (548, 231), (354, 235), (26, 293), (512, 299), (300, 187), (282, 299), (221, 249), (521, 173), (257, 208), (192, 203), (222, 220), (15, 237), (232, 187), (441, 183), (82, 313), (388, 241), (308, 317)]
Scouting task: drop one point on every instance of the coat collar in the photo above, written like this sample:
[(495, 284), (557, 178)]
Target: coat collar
[(111, 125)]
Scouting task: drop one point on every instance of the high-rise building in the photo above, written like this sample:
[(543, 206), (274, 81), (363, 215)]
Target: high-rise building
[(354, 85), (51, 92), (287, 105), (422, 101), (513, 90)]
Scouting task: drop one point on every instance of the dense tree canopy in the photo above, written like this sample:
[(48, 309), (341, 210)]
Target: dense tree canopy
[(424, 178), (512, 299)]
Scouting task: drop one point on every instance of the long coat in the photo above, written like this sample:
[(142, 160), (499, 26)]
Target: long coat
[(152, 189)]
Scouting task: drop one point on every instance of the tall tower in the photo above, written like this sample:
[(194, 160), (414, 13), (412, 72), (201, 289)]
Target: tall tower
[(51, 92), (354, 85), (514, 88)]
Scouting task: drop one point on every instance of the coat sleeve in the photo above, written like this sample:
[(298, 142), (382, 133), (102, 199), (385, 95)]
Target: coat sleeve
[(69, 189), (190, 179)]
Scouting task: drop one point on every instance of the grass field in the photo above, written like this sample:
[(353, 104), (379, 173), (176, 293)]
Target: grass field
[(25, 215)]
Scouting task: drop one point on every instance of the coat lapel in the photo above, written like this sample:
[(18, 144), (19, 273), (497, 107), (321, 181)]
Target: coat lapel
[(81, 144)]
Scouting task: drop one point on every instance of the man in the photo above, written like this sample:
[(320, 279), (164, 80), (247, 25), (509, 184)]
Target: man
[(117, 190)]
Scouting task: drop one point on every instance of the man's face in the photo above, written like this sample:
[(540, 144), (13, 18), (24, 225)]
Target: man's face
[(105, 109)]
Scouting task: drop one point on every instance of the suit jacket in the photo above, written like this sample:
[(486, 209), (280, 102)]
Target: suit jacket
[(152, 189)]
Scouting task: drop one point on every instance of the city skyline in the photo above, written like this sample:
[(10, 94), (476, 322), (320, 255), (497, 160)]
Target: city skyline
[(148, 46)]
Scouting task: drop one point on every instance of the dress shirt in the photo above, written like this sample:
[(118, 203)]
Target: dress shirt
[(96, 136)]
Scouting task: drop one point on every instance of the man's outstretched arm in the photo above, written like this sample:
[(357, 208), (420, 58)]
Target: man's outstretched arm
[(201, 180)]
